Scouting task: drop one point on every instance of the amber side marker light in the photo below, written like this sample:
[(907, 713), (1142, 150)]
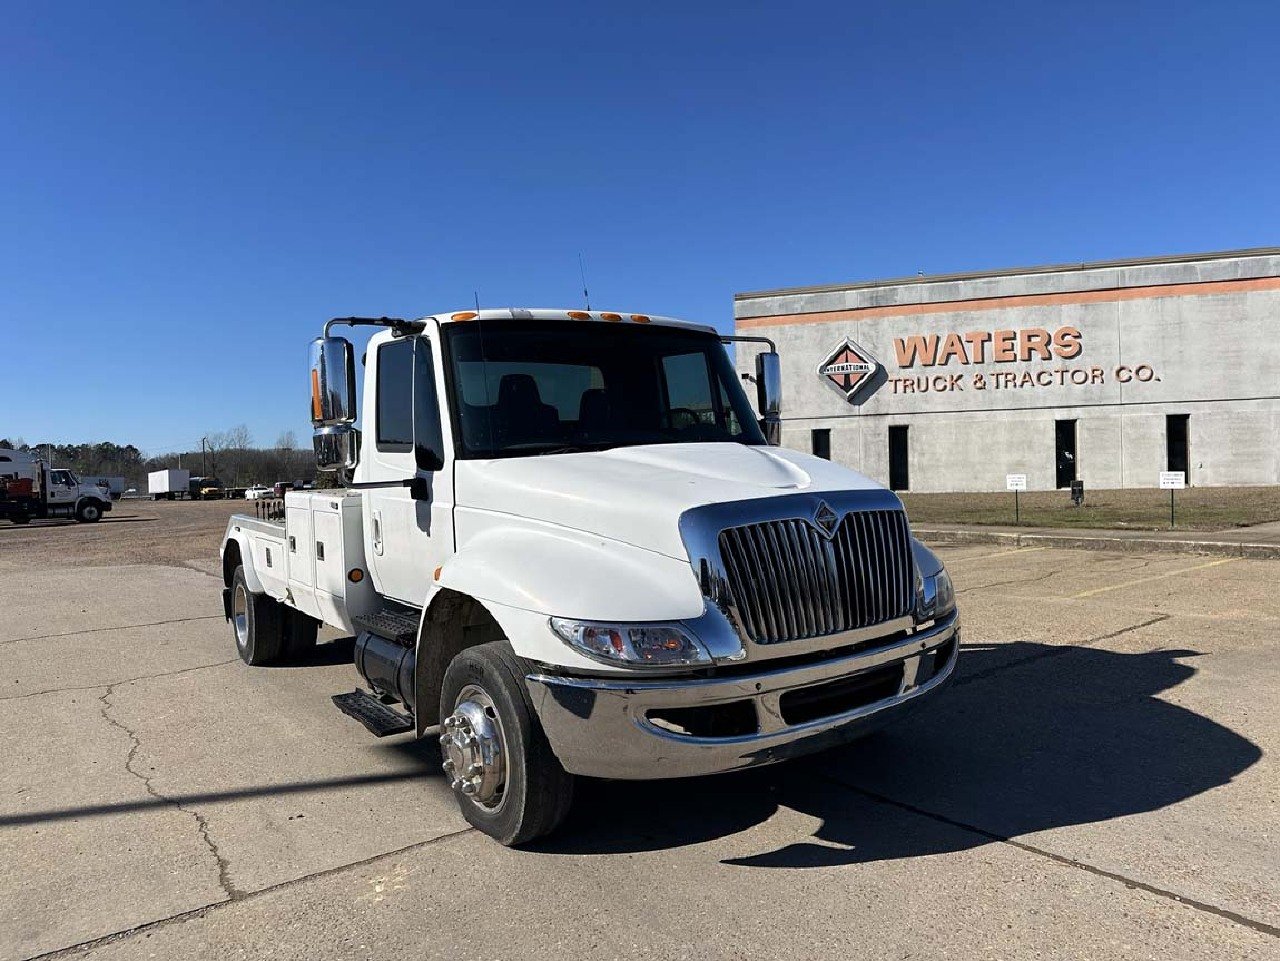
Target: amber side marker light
[(640, 318), (435, 575), (464, 315), (355, 575), (612, 317), (579, 315)]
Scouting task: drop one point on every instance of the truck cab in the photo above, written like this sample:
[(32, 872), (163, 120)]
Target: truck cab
[(567, 547)]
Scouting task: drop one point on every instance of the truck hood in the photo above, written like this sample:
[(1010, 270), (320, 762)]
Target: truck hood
[(637, 494)]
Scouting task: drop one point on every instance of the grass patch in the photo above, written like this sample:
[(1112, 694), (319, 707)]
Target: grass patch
[(1198, 509)]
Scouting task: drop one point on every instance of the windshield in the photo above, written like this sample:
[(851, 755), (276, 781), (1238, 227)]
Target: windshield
[(561, 386)]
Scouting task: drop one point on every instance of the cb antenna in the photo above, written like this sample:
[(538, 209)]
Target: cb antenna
[(582, 269)]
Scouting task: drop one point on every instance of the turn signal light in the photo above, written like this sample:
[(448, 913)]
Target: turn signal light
[(435, 575), (464, 315), (355, 575)]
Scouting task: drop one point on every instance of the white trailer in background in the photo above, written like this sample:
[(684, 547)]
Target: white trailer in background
[(168, 484)]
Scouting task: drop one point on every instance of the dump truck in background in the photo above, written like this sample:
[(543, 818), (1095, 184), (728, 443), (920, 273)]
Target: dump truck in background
[(32, 490)]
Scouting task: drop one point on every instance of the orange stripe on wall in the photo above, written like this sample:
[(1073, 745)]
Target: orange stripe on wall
[(1020, 300)]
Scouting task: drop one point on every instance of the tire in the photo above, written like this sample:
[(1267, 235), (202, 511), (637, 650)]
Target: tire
[(535, 791), (299, 634), (89, 512), (257, 623), (20, 518)]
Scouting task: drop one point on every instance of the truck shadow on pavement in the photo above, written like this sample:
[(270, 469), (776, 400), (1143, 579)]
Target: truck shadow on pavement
[(1029, 737)]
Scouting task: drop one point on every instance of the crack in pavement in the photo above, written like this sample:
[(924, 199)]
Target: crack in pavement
[(122, 627), (1019, 580), (1131, 883), (1053, 651), (128, 680), (202, 824), (147, 927)]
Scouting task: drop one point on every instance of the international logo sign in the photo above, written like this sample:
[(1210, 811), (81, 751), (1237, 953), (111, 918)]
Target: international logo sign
[(826, 520), (849, 369)]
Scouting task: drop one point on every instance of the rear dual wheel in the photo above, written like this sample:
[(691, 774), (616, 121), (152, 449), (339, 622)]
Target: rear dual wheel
[(266, 631)]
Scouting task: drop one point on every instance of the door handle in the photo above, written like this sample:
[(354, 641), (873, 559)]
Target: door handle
[(377, 533)]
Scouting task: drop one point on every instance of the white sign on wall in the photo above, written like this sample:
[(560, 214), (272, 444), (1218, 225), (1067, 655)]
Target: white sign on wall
[(1015, 482), (1173, 480)]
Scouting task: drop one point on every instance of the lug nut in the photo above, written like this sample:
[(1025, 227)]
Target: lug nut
[(469, 788), (448, 767), (456, 783), (474, 769)]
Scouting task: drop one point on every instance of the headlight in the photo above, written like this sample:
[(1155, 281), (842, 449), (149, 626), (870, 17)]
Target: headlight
[(658, 645), (935, 597)]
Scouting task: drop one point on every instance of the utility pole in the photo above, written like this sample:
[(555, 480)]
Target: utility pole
[(204, 460)]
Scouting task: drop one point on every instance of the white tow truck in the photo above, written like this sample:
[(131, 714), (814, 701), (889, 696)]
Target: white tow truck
[(566, 546)]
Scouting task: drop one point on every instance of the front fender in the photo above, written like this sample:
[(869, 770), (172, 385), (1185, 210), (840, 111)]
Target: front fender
[(567, 573)]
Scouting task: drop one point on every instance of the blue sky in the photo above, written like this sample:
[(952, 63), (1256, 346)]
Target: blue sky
[(190, 190)]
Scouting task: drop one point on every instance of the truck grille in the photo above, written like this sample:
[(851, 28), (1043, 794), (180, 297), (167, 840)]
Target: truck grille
[(788, 581)]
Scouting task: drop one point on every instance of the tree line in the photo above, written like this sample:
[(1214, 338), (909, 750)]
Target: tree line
[(228, 455)]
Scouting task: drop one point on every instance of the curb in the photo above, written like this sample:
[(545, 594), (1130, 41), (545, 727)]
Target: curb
[(1103, 543)]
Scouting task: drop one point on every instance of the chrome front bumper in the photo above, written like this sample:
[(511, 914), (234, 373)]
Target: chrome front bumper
[(621, 729)]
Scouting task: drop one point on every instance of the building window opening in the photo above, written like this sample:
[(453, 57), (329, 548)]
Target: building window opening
[(1177, 456), (821, 438), (1065, 454), (899, 475)]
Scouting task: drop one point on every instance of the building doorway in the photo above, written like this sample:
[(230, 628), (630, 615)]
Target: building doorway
[(1064, 435), (899, 475), (1177, 455), (821, 439)]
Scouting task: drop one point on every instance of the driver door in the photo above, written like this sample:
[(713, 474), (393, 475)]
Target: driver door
[(406, 539)]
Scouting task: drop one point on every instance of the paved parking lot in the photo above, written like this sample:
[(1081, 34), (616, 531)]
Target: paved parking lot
[(1100, 782)]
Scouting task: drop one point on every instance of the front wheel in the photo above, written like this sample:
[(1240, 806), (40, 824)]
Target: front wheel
[(89, 512), (507, 780)]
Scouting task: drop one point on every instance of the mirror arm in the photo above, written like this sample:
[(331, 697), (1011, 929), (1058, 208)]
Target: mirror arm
[(735, 339), (401, 326)]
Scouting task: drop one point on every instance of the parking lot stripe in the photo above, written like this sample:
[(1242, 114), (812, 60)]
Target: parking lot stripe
[(1154, 577)]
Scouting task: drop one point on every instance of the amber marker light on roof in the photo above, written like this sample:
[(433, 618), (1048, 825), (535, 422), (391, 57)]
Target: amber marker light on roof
[(640, 318), (464, 315), (579, 315), (612, 317)]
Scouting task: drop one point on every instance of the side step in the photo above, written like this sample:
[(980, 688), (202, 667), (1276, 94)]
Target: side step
[(379, 718), (395, 622)]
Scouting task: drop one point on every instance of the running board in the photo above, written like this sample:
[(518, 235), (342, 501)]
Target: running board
[(379, 718)]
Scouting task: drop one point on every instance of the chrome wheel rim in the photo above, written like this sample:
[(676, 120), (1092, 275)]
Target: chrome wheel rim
[(474, 747), (240, 615), (91, 513)]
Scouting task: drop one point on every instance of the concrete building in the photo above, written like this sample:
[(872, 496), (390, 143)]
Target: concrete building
[(1107, 372)]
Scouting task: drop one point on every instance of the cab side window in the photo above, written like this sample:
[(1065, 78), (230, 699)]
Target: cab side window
[(394, 430), (428, 439), (408, 415)]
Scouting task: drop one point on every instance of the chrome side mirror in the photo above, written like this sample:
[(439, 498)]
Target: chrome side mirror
[(769, 394), (337, 447), (333, 382)]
